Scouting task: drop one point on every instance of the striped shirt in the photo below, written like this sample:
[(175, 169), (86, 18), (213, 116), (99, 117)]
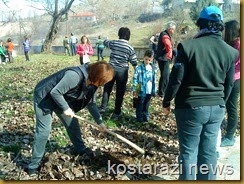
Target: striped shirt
[(121, 53)]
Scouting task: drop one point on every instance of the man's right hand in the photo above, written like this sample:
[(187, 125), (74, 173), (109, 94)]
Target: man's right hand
[(69, 112)]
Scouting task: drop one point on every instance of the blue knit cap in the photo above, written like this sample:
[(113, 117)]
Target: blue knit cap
[(208, 11)]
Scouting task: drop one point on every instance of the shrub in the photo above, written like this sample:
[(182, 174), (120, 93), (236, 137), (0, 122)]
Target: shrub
[(148, 17)]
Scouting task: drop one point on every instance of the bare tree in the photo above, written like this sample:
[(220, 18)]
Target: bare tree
[(57, 12)]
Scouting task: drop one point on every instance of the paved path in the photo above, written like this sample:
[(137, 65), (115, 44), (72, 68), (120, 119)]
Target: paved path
[(229, 161), (230, 157)]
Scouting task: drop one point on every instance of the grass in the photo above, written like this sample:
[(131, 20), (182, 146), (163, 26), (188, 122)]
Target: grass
[(61, 139), (15, 148), (20, 78), (18, 82)]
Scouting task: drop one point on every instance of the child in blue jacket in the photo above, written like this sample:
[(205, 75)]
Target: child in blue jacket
[(144, 86)]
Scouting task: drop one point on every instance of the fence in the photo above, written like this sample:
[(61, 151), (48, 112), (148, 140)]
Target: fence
[(60, 50)]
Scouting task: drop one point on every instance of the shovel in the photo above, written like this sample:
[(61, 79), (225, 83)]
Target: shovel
[(114, 134)]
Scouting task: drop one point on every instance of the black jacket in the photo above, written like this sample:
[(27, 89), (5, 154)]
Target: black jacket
[(203, 72), (161, 51), (75, 97)]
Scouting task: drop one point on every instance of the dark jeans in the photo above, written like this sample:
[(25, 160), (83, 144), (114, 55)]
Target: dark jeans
[(73, 49), (232, 110), (2, 58), (99, 53), (27, 56), (121, 78), (142, 113), (154, 49), (43, 129), (10, 56), (164, 76), (197, 132)]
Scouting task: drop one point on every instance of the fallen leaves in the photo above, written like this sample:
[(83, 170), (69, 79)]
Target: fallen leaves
[(158, 137)]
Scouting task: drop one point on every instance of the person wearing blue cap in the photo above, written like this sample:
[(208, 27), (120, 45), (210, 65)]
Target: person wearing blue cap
[(200, 82)]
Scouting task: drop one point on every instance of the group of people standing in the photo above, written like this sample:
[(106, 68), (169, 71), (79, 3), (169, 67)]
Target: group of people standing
[(201, 82), (70, 44), (6, 50)]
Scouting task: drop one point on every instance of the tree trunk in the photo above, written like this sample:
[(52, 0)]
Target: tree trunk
[(51, 35), (53, 30)]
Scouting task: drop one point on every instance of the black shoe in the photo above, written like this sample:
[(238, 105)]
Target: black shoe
[(146, 119), (116, 117), (31, 172), (88, 152), (140, 120), (101, 110)]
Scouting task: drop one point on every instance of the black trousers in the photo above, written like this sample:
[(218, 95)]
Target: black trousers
[(121, 78), (27, 56), (232, 110), (164, 76)]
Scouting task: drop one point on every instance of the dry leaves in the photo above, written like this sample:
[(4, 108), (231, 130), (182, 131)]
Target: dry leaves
[(158, 137)]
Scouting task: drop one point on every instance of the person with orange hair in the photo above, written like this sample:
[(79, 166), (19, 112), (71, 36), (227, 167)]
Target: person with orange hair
[(64, 93)]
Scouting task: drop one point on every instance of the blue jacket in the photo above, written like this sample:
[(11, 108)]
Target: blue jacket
[(140, 78), (26, 44)]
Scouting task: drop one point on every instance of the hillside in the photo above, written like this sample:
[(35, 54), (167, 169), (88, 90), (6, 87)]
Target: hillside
[(140, 32), (36, 28)]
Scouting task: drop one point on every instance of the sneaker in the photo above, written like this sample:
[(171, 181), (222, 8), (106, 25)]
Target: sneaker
[(88, 152), (31, 172), (101, 110), (227, 142), (146, 119), (139, 120), (116, 116)]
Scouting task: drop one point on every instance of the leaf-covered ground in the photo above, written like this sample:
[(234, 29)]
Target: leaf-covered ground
[(17, 124)]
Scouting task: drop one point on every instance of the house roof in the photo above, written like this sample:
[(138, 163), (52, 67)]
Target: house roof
[(85, 14)]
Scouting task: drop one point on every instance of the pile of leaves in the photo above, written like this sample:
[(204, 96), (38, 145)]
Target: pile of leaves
[(112, 157)]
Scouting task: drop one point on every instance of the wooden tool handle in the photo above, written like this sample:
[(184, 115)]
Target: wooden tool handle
[(114, 134)]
